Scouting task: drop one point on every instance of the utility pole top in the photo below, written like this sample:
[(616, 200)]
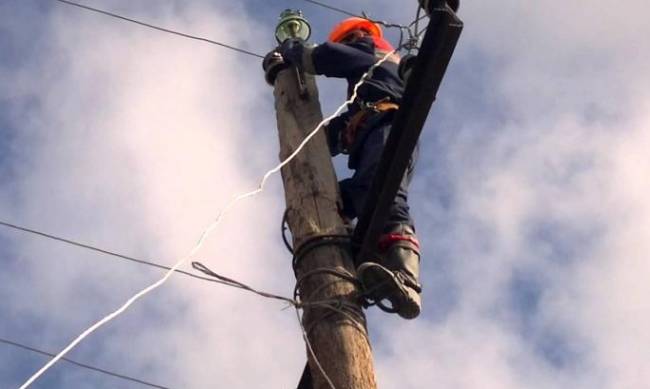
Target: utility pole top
[(292, 25)]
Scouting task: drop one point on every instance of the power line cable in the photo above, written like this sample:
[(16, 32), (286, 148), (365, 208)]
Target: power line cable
[(224, 45), (160, 28), (85, 366), (106, 252), (318, 3), (363, 15)]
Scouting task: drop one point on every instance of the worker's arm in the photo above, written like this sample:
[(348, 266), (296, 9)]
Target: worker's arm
[(339, 60), (330, 59)]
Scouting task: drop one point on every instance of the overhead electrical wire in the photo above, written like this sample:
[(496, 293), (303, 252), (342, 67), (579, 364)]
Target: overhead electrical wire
[(332, 8), (106, 252), (83, 365), (160, 28), (224, 45)]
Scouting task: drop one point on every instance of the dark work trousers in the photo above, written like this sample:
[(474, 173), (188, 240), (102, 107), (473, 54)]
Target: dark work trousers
[(366, 157)]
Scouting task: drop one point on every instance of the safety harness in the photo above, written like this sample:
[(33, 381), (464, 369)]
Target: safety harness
[(360, 117)]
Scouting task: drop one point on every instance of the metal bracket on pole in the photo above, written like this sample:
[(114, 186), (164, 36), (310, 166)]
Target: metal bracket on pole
[(430, 65)]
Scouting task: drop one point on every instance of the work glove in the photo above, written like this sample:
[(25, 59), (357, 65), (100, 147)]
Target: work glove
[(288, 53), (272, 64), (291, 50)]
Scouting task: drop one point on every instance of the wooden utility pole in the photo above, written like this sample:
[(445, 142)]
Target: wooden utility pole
[(339, 341)]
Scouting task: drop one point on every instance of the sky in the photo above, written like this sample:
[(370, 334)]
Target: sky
[(530, 197)]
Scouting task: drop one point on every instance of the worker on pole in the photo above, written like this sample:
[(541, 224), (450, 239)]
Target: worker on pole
[(354, 45)]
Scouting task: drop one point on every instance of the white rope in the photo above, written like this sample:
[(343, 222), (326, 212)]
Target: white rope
[(204, 236)]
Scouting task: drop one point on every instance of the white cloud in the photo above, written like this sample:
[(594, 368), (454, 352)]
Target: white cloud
[(545, 228), (139, 138), (137, 141)]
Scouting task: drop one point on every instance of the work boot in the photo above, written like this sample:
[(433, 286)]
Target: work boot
[(395, 277)]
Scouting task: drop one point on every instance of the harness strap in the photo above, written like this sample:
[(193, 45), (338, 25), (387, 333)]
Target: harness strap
[(360, 117), (387, 240)]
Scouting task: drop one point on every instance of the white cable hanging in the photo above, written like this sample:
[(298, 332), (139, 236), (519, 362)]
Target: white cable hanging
[(205, 235)]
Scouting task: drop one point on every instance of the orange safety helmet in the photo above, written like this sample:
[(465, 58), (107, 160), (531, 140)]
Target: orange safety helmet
[(348, 25)]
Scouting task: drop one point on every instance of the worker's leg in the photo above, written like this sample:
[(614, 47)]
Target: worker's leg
[(395, 277), (354, 190)]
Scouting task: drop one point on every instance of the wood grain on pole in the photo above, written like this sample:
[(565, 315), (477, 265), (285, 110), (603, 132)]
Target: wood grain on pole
[(311, 192)]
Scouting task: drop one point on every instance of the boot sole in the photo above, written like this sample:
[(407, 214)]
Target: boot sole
[(380, 284)]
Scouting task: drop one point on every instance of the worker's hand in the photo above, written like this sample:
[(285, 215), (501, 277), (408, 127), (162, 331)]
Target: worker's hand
[(287, 54), (272, 64), (272, 58), (291, 50)]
